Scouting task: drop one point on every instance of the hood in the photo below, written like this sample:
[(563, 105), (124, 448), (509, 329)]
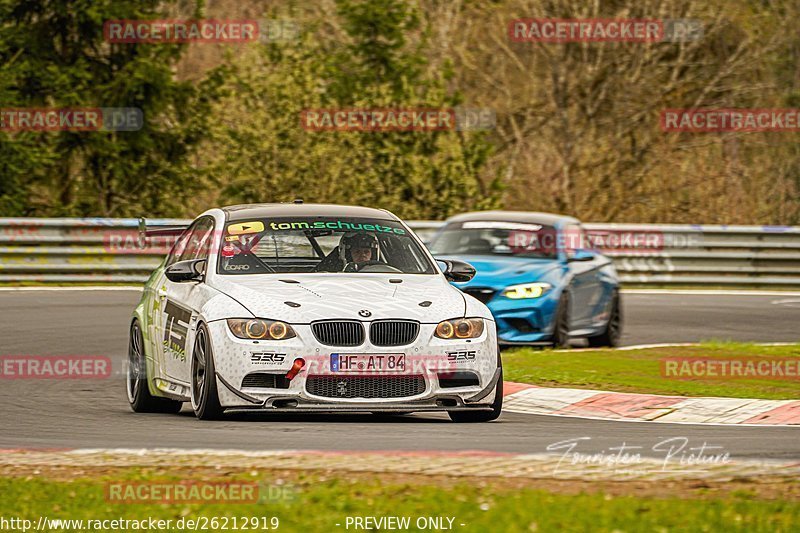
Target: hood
[(500, 271), (343, 296)]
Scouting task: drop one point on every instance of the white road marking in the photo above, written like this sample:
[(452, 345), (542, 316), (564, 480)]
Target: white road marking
[(657, 421), (712, 292), (679, 344), (787, 302)]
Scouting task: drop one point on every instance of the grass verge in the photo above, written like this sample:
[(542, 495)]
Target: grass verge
[(641, 370), (312, 501)]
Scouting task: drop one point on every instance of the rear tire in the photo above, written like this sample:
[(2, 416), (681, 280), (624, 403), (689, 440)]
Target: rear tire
[(483, 416), (561, 323), (205, 399), (138, 390), (610, 337)]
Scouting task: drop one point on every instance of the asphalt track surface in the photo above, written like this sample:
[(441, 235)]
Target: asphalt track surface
[(95, 413)]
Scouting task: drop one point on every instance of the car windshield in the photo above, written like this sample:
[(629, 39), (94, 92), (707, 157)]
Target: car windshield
[(496, 238), (320, 244)]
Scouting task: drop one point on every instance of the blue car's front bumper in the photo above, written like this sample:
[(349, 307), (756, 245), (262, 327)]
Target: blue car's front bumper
[(523, 321)]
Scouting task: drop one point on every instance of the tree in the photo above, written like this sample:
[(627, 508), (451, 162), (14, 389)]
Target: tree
[(53, 55), (259, 152), (578, 123)]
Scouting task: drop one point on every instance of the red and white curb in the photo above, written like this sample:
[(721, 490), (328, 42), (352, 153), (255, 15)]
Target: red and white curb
[(529, 399)]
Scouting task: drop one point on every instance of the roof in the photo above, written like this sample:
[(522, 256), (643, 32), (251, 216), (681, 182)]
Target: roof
[(248, 211), (545, 219)]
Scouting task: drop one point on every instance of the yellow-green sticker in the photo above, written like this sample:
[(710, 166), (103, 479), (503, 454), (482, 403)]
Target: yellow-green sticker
[(246, 227)]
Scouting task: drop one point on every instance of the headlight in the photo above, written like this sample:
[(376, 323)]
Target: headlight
[(257, 329), (460, 328), (526, 290)]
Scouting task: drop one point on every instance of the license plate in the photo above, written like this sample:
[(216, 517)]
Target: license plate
[(392, 362)]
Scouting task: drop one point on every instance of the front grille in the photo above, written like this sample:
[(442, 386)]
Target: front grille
[(365, 386), (260, 380), (339, 332), (481, 293), (393, 332)]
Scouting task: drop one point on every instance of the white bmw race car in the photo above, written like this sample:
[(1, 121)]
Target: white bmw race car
[(310, 308)]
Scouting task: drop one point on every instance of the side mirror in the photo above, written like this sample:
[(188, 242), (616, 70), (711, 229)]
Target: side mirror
[(183, 271), (581, 255), (457, 271)]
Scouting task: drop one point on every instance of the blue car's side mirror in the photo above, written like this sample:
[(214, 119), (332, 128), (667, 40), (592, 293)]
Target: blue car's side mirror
[(580, 255)]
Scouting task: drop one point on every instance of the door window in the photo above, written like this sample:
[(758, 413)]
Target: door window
[(198, 244), (574, 239)]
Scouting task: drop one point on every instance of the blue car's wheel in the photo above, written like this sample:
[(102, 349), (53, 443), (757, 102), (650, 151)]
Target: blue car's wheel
[(561, 323), (611, 335)]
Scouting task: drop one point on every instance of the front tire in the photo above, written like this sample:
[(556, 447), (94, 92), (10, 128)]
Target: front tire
[(611, 335), (139, 397), (561, 323), (205, 399), (483, 416)]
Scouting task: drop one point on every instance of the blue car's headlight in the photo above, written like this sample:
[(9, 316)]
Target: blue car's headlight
[(526, 290)]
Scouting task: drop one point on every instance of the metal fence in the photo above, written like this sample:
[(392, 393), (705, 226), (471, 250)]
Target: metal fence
[(37, 250)]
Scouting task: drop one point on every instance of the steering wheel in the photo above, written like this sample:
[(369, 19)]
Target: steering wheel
[(370, 266)]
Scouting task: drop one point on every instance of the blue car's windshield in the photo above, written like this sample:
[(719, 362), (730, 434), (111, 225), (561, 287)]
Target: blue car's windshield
[(496, 238)]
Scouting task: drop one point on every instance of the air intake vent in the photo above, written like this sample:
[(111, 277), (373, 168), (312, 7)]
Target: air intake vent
[(339, 332), (450, 380), (259, 380), (365, 386), (393, 332)]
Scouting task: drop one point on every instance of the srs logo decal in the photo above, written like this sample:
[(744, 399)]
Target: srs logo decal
[(461, 356), (266, 358)]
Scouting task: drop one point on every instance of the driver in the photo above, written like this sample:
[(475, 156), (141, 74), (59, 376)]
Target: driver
[(358, 250)]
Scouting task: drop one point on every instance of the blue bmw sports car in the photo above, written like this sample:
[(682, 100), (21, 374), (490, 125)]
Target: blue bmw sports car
[(537, 275)]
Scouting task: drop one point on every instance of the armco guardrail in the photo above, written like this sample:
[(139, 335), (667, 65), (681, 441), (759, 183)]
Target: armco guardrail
[(106, 250)]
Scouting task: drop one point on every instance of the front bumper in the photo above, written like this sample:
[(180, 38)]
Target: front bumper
[(428, 357), (524, 321), (440, 402)]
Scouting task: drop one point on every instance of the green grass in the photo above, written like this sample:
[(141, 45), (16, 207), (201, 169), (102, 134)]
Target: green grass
[(87, 283), (640, 370), (319, 503)]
